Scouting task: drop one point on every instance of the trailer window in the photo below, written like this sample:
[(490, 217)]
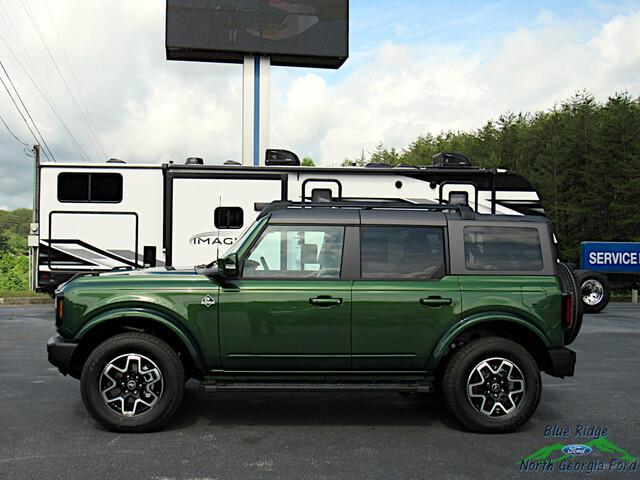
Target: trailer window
[(73, 187), (502, 249), (90, 187), (105, 187), (228, 217)]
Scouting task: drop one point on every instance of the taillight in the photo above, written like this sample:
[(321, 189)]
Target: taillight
[(568, 310)]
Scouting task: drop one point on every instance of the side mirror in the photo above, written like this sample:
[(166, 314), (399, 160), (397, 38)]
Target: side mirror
[(228, 266)]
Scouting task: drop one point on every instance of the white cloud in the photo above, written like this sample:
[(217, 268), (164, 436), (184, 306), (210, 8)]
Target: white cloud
[(402, 93), (150, 110), (546, 17)]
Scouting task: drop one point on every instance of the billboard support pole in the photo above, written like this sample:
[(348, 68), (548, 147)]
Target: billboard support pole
[(256, 93)]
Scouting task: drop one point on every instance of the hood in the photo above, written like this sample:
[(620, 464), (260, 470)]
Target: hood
[(140, 278), (151, 271)]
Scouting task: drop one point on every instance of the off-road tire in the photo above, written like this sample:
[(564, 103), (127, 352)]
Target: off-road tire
[(458, 371), (151, 347)]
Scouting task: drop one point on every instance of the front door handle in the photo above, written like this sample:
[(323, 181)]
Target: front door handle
[(435, 301), (323, 301)]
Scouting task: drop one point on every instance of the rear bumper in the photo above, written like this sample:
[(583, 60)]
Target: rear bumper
[(60, 351), (562, 362)]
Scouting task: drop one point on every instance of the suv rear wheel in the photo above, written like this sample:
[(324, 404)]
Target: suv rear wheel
[(492, 385), (132, 382)]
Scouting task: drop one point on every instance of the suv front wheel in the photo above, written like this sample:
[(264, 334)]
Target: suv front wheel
[(492, 385), (132, 382)]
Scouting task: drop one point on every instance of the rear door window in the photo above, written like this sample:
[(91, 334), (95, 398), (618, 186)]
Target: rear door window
[(505, 249), (402, 252)]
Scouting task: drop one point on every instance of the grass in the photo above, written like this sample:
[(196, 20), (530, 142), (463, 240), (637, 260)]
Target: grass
[(21, 293)]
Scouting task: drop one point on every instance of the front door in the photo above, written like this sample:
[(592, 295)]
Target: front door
[(404, 301), (290, 310)]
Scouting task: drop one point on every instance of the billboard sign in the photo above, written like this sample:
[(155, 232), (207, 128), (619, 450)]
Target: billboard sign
[(306, 33), (610, 257)]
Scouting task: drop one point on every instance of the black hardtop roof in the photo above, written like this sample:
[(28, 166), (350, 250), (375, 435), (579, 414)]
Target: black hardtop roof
[(380, 213)]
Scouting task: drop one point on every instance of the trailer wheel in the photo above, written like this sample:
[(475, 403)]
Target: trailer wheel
[(594, 290)]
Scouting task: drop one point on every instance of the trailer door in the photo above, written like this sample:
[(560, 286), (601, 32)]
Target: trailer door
[(209, 214)]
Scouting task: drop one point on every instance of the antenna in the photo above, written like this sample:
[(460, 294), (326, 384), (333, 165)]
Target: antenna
[(218, 244)]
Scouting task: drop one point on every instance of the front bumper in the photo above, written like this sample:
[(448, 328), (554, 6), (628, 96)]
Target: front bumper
[(60, 351), (562, 362)]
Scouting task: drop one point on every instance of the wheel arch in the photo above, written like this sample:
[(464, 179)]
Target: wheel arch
[(503, 325), (110, 323)]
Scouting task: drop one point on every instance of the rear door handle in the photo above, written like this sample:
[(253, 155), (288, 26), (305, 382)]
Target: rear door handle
[(435, 301), (325, 301)]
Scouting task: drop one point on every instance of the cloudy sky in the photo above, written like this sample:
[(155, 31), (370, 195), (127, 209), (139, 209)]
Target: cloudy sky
[(415, 66)]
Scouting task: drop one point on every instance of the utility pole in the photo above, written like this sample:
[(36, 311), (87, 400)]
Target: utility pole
[(33, 241)]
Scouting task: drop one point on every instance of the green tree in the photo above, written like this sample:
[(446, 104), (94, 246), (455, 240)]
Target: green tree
[(14, 263), (581, 155), (14, 272), (308, 162)]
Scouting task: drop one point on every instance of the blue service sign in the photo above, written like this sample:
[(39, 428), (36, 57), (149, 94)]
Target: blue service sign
[(612, 257)]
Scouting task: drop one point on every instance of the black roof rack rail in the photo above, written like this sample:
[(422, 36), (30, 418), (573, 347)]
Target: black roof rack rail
[(466, 213)]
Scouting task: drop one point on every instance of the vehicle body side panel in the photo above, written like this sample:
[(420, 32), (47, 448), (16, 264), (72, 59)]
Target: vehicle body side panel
[(173, 299), (534, 302), (271, 324), (392, 329)]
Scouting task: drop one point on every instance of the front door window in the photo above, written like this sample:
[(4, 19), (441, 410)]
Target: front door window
[(304, 252)]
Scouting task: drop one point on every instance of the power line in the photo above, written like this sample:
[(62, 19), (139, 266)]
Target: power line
[(14, 32), (21, 114), (31, 17), (44, 143), (83, 101), (40, 86), (46, 97), (11, 132)]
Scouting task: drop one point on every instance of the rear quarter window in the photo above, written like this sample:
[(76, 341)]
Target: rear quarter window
[(505, 249)]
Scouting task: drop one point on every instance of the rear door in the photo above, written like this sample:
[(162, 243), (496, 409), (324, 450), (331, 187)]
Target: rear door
[(405, 300)]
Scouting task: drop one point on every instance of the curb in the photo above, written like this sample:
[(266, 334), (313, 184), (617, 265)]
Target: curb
[(26, 301)]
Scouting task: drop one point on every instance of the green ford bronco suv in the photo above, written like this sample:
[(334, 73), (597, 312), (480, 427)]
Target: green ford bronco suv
[(366, 296)]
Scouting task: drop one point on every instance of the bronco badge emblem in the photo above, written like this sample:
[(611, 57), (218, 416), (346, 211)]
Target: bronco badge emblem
[(208, 301)]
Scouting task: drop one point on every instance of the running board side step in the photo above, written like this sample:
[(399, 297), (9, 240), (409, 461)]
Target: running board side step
[(315, 387)]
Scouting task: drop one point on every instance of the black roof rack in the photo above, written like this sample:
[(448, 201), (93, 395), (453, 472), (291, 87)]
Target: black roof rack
[(466, 213)]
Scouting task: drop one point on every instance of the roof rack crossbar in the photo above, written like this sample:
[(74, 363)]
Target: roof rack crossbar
[(466, 213)]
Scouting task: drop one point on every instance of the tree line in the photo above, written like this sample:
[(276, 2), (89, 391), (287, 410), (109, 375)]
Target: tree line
[(583, 157)]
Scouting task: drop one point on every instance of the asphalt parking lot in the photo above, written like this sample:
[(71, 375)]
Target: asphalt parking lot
[(45, 431)]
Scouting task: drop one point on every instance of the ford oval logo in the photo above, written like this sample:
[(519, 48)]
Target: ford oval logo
[(577, 449)]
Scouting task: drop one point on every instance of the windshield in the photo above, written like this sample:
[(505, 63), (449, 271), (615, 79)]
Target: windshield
[(245, 236)]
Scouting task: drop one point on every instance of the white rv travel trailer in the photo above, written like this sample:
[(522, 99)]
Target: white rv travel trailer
[(97, 217)]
